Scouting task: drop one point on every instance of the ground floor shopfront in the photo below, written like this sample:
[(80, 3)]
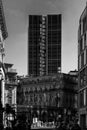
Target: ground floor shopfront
[(83, 118), (45, 114)]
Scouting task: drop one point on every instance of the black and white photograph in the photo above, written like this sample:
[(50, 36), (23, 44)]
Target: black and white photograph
[(43, 64)]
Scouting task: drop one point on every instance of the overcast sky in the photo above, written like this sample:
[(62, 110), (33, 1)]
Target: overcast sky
[(16, 15)]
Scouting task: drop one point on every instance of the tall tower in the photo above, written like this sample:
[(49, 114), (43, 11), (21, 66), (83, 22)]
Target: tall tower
[(53, 44), (44, 44), (34, 38)]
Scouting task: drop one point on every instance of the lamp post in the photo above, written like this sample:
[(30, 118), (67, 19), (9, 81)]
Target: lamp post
[(1, 108)]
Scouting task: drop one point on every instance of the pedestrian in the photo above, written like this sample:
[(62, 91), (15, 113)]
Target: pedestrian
[(1, 126), (8, 128), (16, 125), (29, 125), (76, 126), (61, 126)]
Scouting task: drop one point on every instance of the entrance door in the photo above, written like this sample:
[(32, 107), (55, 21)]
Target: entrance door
[(83, 121)]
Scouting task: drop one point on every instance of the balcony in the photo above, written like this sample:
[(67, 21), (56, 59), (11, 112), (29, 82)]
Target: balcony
[(11, 70), (11, 82)]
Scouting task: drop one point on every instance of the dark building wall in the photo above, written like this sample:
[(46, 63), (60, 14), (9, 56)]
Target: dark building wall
[(34, 45), (44, 44), (54, 43)]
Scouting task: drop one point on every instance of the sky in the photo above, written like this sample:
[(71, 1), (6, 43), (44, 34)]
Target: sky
[(16, 16)]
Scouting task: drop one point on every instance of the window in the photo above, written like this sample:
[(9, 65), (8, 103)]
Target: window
[(81, 99), (84, 24), (84, 39), (76, 100), (80, 29), (83, 78), (84, 97), (81, 47), (0, 39), (82, 60), (86, 56)]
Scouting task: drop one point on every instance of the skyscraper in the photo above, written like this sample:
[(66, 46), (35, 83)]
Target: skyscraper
[(44, 44)]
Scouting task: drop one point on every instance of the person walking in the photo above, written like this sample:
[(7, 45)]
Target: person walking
[(76, 126)]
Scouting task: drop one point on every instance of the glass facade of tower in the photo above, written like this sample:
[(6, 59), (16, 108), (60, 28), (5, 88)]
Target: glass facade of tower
[(44, 45), (34, 45), (54, 43)]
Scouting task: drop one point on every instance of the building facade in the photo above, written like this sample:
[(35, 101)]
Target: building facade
[(10, 91), (10, 85), (82, 68), (44, 44), (52, 96), (3, 36)]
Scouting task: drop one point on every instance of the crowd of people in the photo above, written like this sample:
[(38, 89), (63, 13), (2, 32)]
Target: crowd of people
[(19, 125), (72, 125), (23, 124)]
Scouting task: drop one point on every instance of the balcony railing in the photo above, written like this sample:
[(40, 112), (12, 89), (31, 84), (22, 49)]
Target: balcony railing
[(11, 82), (12, 70)]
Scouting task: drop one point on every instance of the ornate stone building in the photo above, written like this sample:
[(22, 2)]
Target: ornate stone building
[(10, 92), (3, 36), (10, 85), (47, 95)]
